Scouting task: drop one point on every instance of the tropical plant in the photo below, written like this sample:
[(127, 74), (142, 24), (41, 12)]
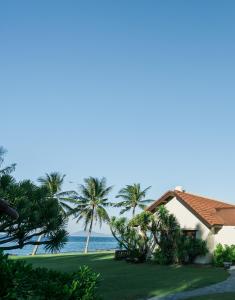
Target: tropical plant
[(132, 235), (157, 234), (21, 281), (132, 197), (188, 248), (39, 215), (91, 203), (6, 170), (54, 182), (223, 253)]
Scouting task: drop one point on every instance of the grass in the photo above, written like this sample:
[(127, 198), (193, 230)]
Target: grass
[(224, 296), (125, 281)]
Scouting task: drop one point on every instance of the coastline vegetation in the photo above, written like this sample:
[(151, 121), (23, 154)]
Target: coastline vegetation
[(44, 210), (128, 281)]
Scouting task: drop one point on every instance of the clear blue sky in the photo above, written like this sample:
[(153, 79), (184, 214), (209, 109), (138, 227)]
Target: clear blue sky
[(136, 91)]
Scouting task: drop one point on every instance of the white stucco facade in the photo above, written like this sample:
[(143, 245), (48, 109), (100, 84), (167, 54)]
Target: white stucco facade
[(186, 219), (225, 236), (189, 221)]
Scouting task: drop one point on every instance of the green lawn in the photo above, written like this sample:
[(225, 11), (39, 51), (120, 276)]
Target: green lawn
[(225, 296), (125, 281)]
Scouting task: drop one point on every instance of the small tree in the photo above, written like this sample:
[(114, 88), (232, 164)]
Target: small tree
[(39, 215), (53, 183), (157, 234), (132, 235)]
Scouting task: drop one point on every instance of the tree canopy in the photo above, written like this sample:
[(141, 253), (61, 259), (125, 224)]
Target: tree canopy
[(90, 204), (39, 215), (132, 197)]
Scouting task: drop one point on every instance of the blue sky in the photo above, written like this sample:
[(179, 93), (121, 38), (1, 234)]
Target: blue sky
[(136, 91)]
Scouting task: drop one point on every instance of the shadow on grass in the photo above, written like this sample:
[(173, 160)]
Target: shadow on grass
[(121, 280)]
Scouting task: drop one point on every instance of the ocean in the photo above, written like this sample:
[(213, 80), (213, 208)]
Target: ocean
[(74, 244)]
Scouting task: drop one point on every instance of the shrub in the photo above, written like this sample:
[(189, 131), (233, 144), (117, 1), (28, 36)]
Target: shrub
[(223, 254), (184, 251), (189, 248), (130, 238), (161, 258), (19, 281)]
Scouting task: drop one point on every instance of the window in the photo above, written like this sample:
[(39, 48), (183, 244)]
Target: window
[(190, 233)]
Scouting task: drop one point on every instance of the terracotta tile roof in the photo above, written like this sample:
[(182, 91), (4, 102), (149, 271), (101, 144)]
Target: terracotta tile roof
[(209, 211)]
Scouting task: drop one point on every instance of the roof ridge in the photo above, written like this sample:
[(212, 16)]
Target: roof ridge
[(205, 197)]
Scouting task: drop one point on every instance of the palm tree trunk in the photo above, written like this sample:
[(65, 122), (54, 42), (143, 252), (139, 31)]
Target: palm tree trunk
[(133, 212), (88, 236), (35, 249)]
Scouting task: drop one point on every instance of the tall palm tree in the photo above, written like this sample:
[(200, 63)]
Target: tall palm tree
[(54, 181), (91, 203), (132, 197)]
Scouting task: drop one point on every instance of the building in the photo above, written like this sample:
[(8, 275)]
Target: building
[(208, 219)]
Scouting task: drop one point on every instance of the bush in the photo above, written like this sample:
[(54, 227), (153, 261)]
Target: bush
[(19, 281), (183, 251), (161, 258), (223, 254), (189, 248)]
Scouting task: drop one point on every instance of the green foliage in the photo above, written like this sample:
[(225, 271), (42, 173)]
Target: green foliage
[(54, 182), (127, 281), (132, 197), (39, 214), (130, 237), (160, 257), (166, 236), (223, 254), (19, 281), (158, 233), (91, 203), (189, 248)]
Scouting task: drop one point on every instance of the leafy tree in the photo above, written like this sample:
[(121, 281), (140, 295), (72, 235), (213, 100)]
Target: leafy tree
[(90, 204), (20, 280), (146, 232), (131, 235), (53, 183), (165, 236), (39, 215), (132, 197)]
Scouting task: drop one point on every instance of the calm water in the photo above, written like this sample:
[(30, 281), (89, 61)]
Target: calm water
[(75, 244)]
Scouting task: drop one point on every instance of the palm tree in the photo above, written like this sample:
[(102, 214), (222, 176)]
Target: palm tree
[(53, 182), (91, 204), (132, 197)]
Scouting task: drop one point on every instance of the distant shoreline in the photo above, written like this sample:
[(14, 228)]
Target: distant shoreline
[(76, 244), (93, 234), (67, 253), (84, 235)]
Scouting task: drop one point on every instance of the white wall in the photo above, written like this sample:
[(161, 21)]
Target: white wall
[(226, 236), (187, 220)]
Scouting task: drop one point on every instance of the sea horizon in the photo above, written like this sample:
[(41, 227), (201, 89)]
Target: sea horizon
[(74, 244)]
